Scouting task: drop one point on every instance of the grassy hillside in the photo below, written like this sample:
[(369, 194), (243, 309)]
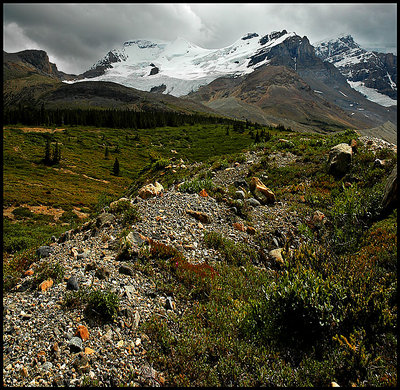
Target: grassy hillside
[(84, 177)]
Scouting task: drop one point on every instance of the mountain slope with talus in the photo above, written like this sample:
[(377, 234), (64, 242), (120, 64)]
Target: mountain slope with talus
[(371, 73)]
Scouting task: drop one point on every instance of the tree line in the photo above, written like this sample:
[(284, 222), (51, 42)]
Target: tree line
[(114, 118)]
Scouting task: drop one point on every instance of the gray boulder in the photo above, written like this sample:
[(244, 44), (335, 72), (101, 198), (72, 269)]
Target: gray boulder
[(72, 283), (44, 251), (339, 160)]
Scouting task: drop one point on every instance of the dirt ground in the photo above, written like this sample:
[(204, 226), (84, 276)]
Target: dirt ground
[(46, 210)]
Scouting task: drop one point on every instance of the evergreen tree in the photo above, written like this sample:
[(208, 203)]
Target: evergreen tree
[(106, 153), (47, 157), (116, 167)]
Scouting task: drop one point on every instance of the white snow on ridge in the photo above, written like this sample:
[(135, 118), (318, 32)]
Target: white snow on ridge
[(372, 94), (182, 66)]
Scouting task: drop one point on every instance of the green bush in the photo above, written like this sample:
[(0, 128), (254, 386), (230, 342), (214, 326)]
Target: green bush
[(352, 213), (76, 298), (22, 212), (102, 305), (233, 253), (48, 270), (160, 164), (196, 185), (298, 310)]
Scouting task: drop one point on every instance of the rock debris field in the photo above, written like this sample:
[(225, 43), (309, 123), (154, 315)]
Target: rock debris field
[(45, 344)]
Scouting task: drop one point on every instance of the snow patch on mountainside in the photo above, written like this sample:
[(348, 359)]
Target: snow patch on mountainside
[(372, 94), (360, 67)]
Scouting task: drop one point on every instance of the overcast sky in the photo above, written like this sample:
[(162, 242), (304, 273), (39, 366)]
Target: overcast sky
[(75, 36)]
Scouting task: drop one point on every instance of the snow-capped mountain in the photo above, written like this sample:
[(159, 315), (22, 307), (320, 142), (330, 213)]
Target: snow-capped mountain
[(371, 73), (180, 67)]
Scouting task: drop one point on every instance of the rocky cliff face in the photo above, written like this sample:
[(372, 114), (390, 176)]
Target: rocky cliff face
[(374, 70), (293, 52), (28, 61)]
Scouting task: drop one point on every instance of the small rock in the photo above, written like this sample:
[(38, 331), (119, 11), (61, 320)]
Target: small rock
[(170, 304), (81, 363), (135, 238), (200, 216), (276, 254), (108, 336), (89, 351), (47, 366), (203, 193), (29, 272), (83, 255), (102, 273), (44, 251), (150, 190), (82, 332), (339, 160), (262, 193), (45, 285), (130, 292), (240, 195), (75, 344), (239, 226), (105, 219), (24, 372), (126, 270), (72, 283), (253, 202)]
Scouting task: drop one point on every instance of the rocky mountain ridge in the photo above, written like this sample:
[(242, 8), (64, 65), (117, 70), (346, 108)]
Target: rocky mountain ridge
[(361, 67), (318, 97), (23, 62)]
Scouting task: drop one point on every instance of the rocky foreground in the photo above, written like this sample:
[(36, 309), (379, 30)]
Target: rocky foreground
[(46, 344)]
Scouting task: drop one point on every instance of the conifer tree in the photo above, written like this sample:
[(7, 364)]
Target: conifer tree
[(47, 157), (116, 167)]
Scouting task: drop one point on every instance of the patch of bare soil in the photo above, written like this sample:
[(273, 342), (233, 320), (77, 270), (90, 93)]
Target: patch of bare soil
[(92, 178), (46, 210), (79, 213), (39, 130)]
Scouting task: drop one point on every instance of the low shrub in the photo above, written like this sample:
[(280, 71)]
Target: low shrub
[(102, 305), (233, 253), (298, 310), (48, 270), (22, 212), (196, 185)]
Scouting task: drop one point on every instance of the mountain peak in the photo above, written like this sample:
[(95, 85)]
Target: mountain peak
[(249, 36), (373, 74)]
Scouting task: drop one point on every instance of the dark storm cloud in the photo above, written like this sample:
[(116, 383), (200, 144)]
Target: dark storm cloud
[(77, 35)]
